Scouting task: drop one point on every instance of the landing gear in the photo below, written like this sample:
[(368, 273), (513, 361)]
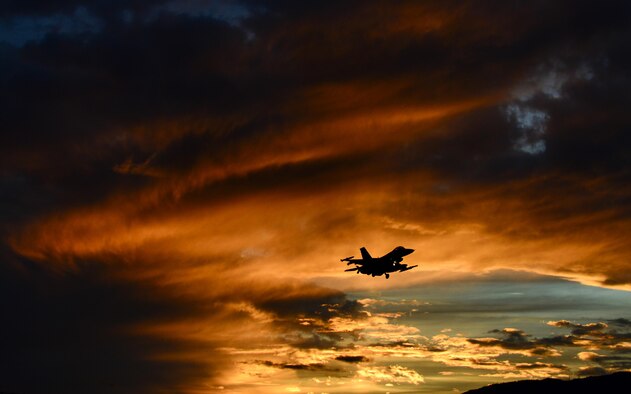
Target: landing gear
[(387, 276)]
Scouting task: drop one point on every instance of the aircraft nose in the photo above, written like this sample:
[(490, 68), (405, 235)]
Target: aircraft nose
[(408, 251)]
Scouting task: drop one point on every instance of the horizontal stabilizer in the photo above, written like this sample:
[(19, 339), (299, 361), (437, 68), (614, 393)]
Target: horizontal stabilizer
[(352, 269), (348, 258), (407, 268)]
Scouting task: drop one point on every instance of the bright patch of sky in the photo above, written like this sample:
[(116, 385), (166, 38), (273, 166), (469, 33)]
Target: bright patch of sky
[(475, 305), (532, 122), (512, 304), (457, 334)]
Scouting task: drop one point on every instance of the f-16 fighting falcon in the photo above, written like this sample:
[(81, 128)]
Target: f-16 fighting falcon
[(377, 266)]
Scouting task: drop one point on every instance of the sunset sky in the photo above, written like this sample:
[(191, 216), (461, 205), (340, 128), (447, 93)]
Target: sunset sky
[(180, 178)]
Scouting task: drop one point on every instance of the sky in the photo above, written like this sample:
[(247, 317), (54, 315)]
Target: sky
[(179, 180)]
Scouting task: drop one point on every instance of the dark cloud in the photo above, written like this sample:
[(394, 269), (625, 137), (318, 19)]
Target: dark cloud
[(305, 319), (127, 124), (297, 367), (313, 340), (594, 336), (600, 335), (96, 327), (352, 359), (514, 339), (620, 322), (592, 329), (538, 364), (609, 362), (592, 371), (561, 340), (313, 306), (70, 332)]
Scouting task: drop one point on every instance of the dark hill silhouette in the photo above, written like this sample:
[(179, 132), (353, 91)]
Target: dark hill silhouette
[(618, 382)]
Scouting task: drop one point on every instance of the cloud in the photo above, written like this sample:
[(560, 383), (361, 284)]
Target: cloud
[(514, 339), (608, 362), (105, 316), (514, 355), (594, 329), (148, 149), (621, 322), (351, 359), (391, 374), (531, 122), (548, 81), (83, 321), (592, 371), (403, 123), (297, 367), (485, 353), (596, 335)]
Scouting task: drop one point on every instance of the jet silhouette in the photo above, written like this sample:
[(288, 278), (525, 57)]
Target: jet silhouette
[(377, 266)]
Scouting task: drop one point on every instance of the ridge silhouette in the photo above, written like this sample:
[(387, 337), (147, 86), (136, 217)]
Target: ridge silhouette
[(618, 382)]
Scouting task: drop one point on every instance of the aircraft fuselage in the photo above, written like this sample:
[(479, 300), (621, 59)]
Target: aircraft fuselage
[(377, 266)]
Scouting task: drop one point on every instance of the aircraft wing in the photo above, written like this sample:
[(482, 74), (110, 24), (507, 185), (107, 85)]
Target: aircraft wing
[(355, 261), (407, 268)]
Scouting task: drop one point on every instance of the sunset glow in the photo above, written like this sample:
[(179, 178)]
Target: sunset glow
[(179, 180)]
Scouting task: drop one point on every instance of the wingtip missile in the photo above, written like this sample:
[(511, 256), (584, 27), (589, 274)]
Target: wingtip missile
[(407, 268), (347, 259), (352, 269)]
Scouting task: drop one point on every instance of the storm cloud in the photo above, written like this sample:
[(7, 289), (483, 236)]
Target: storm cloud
[(174, 174)]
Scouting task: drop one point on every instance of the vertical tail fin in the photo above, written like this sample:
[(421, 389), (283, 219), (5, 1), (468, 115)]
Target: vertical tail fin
[(365, 254)]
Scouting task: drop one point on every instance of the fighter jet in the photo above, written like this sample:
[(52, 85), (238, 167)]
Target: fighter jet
[(377, 266)]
